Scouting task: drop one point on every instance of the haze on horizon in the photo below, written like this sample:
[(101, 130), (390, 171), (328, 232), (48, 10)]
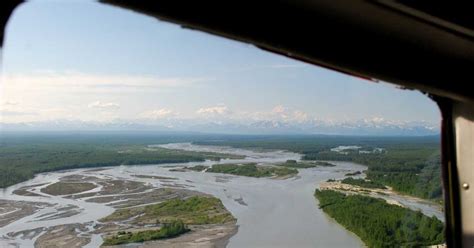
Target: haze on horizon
[(85, 65)]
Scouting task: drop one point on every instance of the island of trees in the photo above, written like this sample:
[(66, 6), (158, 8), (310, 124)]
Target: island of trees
[(410, 165), (363, 183), (252, 170), (380, 224), (172, 216), (168, 230), (305, 164)]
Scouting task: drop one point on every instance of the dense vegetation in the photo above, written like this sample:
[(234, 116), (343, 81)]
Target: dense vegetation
[(66, 188), (353, 173), (304, 164), (410, 165), (168, 230), (252, 170), (380, 224), (196, 210), (197, 168), (323, 163), (408, 168), (363, 183), (173, 215), (22, 157), (295, 164)]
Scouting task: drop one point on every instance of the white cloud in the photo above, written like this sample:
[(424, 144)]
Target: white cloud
[(27, 96), (82, 82), (215, 110), (103, 105), (4, 113), (10, 103), (159, 113), (13, 111)]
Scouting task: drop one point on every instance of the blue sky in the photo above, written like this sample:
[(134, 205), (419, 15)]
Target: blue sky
[(92, 62)]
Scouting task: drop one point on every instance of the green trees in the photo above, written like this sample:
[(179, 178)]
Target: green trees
[(21, 161), (197, 168), (168, 230), (249, 170), (304, 164), (252, 170), (413, 169), (409, 164), (10, 176), (363, 183), (195, 210), (380, 224), (173, 215)]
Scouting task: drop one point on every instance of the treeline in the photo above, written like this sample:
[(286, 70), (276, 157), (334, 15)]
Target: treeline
[(169, 230), (411, 169), (21, 161), (304, 164), (313, 144), (252, 170), (410, 164), (363, 183), (380, 224), (195, 210)]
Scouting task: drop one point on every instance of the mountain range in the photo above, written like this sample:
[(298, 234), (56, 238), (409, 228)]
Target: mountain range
[(378, 127)]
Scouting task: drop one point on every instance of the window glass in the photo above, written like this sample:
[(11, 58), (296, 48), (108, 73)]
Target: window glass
[(119, 129)]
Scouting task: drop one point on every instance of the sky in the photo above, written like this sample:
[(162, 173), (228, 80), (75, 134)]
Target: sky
[(90, 62)]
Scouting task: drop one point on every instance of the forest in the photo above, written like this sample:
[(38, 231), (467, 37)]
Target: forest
[(304, 164), (252, 170), (410, 165), (413, 169), (21, 157), (168, 230), (363, 183), (380, 224)]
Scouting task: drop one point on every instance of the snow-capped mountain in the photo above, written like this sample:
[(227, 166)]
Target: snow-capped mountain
[(359, 127)]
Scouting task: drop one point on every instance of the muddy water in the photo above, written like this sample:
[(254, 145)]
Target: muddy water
[(270, 213)]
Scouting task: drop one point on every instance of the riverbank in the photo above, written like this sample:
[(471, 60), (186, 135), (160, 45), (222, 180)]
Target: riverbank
[(61, 219), (250, 200), (378, 223), (389, 195)]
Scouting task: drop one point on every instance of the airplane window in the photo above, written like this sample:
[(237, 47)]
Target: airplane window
[(117, 129)]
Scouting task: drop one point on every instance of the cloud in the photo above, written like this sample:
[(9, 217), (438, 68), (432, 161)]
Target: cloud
[(83, 82), (10, 103), (15, 113), (103, 105), (10, 108), (159, 113), (215, 110)]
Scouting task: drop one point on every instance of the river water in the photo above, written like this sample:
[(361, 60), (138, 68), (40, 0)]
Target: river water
[(269, 212)]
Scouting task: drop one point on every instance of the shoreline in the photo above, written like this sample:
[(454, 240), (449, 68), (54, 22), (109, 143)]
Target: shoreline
[(389, 195), (246, 198)]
